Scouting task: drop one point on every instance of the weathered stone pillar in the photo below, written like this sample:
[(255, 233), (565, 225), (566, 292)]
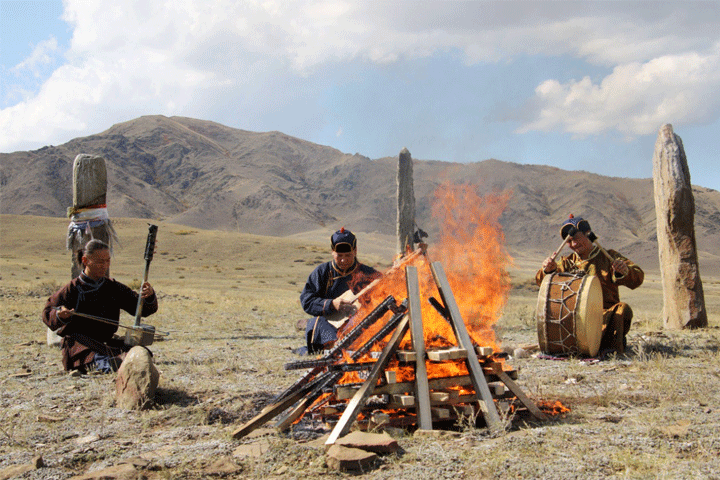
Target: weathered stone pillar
[(684, 301), (88, 215), (406, 202)]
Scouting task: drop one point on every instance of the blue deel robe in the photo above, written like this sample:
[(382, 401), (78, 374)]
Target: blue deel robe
[(324, 284)]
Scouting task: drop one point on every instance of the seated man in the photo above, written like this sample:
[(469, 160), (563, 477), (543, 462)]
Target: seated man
[(322, 296), (588, 257), (89, 344)]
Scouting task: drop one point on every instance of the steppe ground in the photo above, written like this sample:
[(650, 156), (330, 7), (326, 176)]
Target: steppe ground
[(230, 303)]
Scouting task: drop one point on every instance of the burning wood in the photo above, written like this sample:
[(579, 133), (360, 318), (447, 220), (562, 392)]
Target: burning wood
[(337, 350), (416, 385)]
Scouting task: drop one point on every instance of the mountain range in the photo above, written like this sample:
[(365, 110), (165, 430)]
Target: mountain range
[(205, 175)]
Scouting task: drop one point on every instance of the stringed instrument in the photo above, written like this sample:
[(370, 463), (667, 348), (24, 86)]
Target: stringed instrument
[(338, 318), (143, 334)]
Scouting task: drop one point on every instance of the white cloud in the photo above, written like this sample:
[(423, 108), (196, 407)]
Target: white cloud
[(199, 58), (635, 99)]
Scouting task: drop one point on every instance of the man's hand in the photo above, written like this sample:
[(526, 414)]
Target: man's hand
[(342, 305), (549, 265), (147, 290), (63, 313), (620, 267)]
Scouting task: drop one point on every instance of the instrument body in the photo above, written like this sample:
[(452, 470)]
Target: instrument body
[(569, 314), (142, 335), (338, 319)]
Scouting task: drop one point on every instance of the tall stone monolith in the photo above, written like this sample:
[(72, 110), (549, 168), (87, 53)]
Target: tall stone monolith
[(406, 202), (684, 301), (88, 214)]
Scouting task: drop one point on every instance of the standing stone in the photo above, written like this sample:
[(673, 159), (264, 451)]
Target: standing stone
[(88, 214), (89, 181), (684, 301), (406, 202)]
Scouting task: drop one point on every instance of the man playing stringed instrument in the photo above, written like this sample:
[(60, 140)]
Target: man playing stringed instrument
[(88, 343), (612, 270), (331, 290)]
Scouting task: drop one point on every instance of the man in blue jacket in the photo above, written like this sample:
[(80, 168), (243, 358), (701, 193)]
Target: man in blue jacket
[(323, 297)]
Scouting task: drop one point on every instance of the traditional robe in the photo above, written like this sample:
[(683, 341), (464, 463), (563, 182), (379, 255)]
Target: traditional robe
[(617, 315), (84, 337), (324, 284)]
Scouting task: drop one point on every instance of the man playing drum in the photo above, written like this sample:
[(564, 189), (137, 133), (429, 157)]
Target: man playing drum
[(612, 270)]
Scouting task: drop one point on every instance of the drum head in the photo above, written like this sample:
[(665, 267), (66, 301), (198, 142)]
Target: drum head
[(589, 316), (569, 314)]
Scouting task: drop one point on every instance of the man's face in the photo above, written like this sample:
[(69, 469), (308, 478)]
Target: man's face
[(97, 264), (344, 259), (581, 244)]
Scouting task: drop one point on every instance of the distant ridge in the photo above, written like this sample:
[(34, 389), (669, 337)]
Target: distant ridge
[(206, 175)]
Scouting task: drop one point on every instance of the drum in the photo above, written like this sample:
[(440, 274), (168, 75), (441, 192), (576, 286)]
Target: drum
[(569, 314)]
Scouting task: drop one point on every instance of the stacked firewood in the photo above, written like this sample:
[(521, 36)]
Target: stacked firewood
[(481, 386)]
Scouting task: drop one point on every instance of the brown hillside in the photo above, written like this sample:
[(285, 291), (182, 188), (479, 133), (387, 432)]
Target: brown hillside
[(206, 175)]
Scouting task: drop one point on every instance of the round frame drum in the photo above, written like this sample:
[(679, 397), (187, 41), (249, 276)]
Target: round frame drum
[(569, 314)]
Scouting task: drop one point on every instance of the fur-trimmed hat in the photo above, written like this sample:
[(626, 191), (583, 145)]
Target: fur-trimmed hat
[(341, 237), (573, 225)]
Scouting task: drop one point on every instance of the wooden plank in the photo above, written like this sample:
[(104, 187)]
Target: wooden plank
[(378, 419), (467, 410), (358, 401), (484, 351), (497, 389), (492, 419), (422, 390), (406, 356), (446, 354), (440, 413), (274, 409), (284, 422), (517, 391), (341, 345), (490, 367), (444, 397), (403, 401), (330, 410)]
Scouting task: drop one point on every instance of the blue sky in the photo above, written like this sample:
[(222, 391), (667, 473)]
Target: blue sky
[(576, 85)]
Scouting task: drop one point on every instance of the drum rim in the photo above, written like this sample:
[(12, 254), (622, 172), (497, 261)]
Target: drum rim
[(588, 309)]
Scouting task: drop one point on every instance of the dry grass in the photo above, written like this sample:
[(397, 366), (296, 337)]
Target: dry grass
[(230, 303)]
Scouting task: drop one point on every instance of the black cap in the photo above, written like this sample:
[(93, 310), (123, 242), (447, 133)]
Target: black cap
[(573, 225), (343, 237)]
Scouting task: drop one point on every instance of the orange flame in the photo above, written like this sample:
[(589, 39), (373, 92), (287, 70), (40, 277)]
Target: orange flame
[(551, 408), (472, 251)]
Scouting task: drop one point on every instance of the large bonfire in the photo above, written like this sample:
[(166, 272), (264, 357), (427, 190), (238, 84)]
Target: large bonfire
[(471, 246)]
